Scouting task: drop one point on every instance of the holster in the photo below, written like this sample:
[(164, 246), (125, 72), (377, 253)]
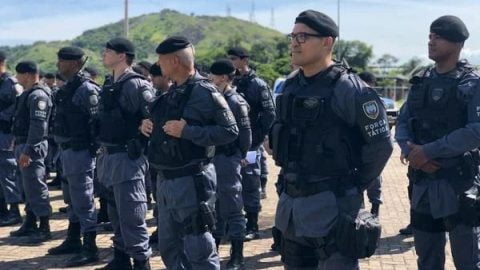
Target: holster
[(357, 237)]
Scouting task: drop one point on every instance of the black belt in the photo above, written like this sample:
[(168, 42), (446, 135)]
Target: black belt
[(185, 171), (308, 189), (110, 150)]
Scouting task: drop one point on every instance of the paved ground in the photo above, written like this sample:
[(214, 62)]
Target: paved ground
[(395, 252)]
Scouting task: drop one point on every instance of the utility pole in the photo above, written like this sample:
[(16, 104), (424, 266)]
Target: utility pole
[(272, 18), (252, 13), (229, 10), (125, 21), (338, 18)]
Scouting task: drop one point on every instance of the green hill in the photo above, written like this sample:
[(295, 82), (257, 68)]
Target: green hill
[(211, 35)]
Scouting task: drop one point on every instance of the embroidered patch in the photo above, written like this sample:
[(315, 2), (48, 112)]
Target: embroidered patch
[(371, 109), (93, 100), (42, 105)]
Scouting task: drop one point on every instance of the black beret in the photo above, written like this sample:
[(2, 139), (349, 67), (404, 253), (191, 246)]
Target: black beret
[(49, 75), (121, 45), (91, 70), (173, 44), (145, 64), (27, 67), (319, 22), (238, 52), (70, 53), (450, 28), (155, 70), (3, 56), (222, 67)]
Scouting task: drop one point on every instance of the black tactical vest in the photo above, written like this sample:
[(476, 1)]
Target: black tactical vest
[(21, 122), (6, 103), (116, 125), (168, 151), (435, 107), (70, 120), (243, 88), (308, 138)]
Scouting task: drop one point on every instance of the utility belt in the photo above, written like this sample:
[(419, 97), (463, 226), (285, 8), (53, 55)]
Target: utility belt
[(297, 185), (75, 145), (189, 170), (227, 150)]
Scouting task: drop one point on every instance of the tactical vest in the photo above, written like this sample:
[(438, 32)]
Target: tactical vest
[(70, 120), (6, 126), (21, 122), (308, 138), (435, 107), (168, 151), (116, 125), (243, 84)]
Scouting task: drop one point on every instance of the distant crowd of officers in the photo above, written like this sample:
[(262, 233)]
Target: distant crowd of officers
[(198, 142)]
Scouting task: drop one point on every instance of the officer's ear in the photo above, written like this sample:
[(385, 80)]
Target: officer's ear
[(328, 43)]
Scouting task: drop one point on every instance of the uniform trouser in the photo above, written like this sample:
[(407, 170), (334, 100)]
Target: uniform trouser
[(251, 186), (127, 215), (263, 162), (78, 168), (34, 185), (229, 206), (430, 248), (305, 246), (50, 158), (9, 179), (177, 203), (374, 191)]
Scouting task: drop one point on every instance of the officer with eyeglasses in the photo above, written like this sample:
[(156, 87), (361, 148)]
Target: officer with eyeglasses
[(331, 139)]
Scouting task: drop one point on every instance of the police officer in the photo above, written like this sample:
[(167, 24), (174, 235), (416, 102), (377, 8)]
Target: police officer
[(11, 191), (76, 106), (262, 114), (438, 132), (91, 72), (160, 82), (187, 122), (227, 161), (331, 139), (122, 164), (374, 191), (50, 80), (30, 128)]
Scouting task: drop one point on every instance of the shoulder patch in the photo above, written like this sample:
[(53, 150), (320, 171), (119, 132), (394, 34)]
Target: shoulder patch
[(219, 100), (147, 95), (371, 109), (42, 105)]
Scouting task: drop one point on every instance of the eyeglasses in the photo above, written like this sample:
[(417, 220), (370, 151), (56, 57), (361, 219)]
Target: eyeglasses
[(301, 37)]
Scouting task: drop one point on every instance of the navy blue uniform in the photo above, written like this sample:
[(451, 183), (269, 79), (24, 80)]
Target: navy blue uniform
[(30, 128), (187, 180), (435, 196), (230, 219), (11, 187), (331, 138), (76, 107), (122, 164)]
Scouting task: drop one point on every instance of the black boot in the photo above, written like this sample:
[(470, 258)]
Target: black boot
[(102, 216), (43, 233), (89, 252), (13, 216), (217, 242), (141, 265), (120, 261), (236, 256), (252, 226), (28, 227), (153, 238), (277, 239), (72, 243), (56, 182), (375, 209), (263, 185), (3, 208), (407, 230)]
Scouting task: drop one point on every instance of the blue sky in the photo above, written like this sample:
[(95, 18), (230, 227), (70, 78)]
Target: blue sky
[(397, 27)]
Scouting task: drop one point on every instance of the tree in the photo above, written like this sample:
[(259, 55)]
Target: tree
[(356, 53), (411, 65)]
